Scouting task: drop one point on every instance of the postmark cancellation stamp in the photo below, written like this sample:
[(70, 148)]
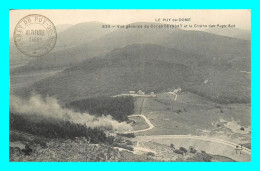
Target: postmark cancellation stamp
[(35, 35)]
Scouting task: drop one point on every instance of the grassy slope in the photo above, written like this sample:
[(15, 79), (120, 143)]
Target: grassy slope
[(192, 114), (146, 67), (117, 73)]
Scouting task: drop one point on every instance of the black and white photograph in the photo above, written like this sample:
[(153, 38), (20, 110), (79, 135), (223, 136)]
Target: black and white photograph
[(130, 85)]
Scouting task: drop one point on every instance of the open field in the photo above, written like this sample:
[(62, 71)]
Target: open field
[(211, 146), (163, 152), (192, 114), (139, 123), (190, 120)]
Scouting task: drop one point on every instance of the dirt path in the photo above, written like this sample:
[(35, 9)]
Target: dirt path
[(231, 144), (245, 72), (151, 126), (153, 137)]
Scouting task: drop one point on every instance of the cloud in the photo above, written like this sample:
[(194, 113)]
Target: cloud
[(49, 108)]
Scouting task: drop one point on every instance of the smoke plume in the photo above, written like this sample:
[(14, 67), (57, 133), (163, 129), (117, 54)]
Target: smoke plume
[(49, 108)]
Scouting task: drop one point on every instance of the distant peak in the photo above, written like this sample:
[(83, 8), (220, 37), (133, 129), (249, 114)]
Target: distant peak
[(89, 23)]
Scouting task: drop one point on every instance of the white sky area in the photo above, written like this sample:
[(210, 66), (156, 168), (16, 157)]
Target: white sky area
[(241, 18)]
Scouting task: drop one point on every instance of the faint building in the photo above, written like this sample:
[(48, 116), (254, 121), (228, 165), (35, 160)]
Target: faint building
[(131, 92), (174, 95), (177, 90), (153, 94), (140, 92), (206, 81)]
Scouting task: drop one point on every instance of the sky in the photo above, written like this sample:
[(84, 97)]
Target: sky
[(241, 18)]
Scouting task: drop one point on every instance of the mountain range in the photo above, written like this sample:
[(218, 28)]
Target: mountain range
[(231, 32), (155, 60), (211, 46), (149, 67)]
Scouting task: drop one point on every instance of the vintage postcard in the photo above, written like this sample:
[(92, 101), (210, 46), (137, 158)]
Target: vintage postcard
[(130, 85)]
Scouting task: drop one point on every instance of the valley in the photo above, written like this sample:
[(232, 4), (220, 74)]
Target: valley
[(201, 138), (133, 95)]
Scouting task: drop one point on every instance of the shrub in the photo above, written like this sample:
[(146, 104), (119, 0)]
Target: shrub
[(128, 135), (183, 149), (150, 154), (178, 151), (123, 146), (200, 157), (178, 111), (172, 146), (203, 156), (128, 142), (192, 150)]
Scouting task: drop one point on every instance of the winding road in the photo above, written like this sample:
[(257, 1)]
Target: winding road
[(151, 126), (231, 144), (151, 137)]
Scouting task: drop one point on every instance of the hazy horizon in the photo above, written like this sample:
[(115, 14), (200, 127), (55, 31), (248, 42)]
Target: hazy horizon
[(241, 18)]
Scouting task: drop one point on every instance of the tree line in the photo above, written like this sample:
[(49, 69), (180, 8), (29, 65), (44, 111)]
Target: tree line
[(118, 107)]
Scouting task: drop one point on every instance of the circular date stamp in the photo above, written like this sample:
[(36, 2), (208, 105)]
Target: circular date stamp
[(35, 35)]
